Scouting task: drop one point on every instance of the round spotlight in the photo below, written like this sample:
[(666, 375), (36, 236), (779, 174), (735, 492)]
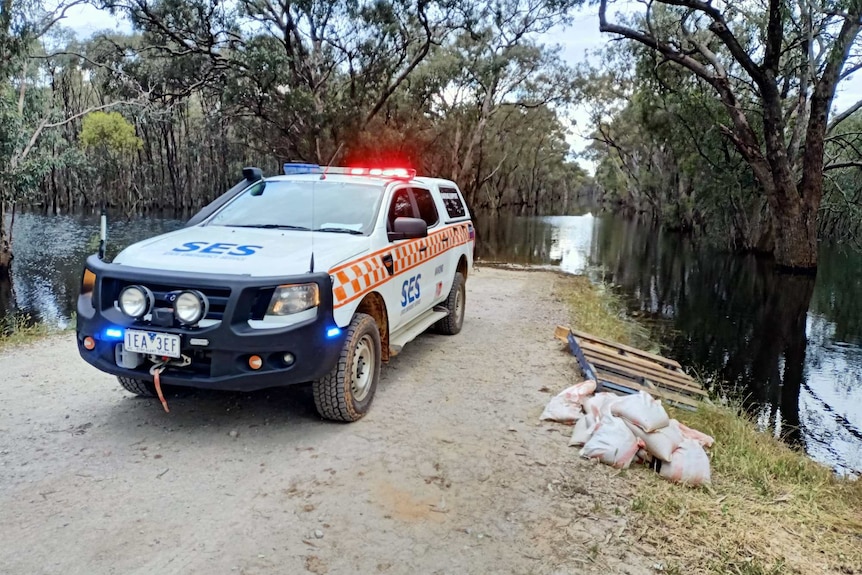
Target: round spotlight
[(136, 301), (288, 359), (190, 307), (89, 343)]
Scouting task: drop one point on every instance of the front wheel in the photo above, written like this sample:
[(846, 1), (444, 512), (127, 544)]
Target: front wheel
[(455, 303), (345, 393), (137, 386)]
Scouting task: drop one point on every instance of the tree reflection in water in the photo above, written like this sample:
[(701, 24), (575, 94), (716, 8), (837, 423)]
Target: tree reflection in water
[(743, 321)]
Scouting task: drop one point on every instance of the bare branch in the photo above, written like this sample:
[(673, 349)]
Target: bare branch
[(843, 116), (840, 165)]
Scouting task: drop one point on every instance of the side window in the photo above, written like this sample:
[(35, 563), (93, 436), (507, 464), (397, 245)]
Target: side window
[(427, 209), (400, 206), (453, 202)]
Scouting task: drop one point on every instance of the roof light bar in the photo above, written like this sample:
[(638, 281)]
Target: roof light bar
[(393, 173), (292, 169)]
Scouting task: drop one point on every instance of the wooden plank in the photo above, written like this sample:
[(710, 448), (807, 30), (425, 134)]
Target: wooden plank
[(629, 368), (562, 333), (607, 352), (640, 373), (632, 350), (589, 344), (631, 373), (657, 392), (650, 371)]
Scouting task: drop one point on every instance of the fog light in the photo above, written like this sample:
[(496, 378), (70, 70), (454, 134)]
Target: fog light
[(255, 362), (136, 301), (190, 307), (89, 343), (289, 359)]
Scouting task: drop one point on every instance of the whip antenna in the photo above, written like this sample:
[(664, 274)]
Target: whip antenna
[(322, 177)]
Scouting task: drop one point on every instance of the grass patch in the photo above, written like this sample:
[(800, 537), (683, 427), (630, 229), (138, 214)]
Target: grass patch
[(21, 328), (596, 309), (770, 509)]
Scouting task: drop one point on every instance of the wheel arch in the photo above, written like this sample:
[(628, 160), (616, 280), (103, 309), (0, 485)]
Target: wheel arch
[(374, 305), (462, 266)]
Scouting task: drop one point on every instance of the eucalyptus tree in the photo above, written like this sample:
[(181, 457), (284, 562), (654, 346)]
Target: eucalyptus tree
[(25, 110), (787, 60), (495, 63)]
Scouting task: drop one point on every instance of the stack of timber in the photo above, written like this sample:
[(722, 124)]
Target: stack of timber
[(623, 369)]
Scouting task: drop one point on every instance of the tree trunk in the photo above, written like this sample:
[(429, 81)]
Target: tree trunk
[(795, 229), (5, 244)]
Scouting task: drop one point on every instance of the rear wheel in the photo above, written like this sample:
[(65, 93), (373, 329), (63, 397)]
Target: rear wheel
[(137, 386), (456, 303), (345, 393)]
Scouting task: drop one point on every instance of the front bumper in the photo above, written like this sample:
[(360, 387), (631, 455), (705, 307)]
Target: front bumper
[(223, 362)]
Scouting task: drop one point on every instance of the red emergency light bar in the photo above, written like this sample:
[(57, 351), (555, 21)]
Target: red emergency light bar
[(394, 173)]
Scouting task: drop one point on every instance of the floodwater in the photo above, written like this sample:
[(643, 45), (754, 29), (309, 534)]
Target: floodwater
[(789, 346)]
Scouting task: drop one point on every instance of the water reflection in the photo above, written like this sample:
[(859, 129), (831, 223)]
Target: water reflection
[(559, 241), (788, 345), (49, 255)]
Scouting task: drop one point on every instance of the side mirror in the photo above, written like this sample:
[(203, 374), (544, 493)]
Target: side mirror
[(408, 229)]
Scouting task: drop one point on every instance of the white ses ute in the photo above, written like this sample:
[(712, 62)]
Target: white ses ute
[(317, 275)]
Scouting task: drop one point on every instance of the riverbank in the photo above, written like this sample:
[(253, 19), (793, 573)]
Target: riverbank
[(770, 509), (16, 330)]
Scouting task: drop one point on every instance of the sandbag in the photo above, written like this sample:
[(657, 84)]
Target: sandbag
[(584, 429), (660, 443), (566, 406), (612, 443), (643, 456), (702, 438), (641, 409), (600, 403), (689, 464)]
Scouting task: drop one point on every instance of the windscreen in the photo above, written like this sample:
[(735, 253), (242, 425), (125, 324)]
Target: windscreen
[(304, 205)]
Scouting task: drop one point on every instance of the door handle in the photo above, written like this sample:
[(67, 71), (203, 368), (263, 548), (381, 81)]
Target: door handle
[(444, 239), (423, 248)]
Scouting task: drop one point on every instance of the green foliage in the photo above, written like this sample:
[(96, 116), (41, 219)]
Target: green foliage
[(109, 133)]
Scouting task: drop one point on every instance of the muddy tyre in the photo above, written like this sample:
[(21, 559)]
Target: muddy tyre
[(137, 386), (345, 393), (455, 303)]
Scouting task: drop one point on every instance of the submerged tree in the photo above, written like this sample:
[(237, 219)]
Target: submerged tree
[(775, 76)]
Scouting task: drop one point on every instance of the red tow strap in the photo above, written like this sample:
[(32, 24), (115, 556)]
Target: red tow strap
[(156, 380)]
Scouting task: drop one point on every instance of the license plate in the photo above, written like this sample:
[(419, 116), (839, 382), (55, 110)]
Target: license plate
[(152, 342)]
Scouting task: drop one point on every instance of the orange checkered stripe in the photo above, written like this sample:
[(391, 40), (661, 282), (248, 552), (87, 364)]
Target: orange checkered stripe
[(354, 279)]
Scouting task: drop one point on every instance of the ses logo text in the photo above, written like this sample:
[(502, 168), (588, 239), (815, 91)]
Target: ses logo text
[(214, 250)]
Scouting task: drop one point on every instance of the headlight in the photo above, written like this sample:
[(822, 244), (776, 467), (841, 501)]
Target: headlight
[(289, 299), (136, 301), (190, 307)]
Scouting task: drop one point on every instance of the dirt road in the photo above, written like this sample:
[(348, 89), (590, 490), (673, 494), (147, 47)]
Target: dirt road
[(450, 472)]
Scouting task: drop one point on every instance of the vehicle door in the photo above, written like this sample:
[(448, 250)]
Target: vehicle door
[(456, 221), (435, 249), (407, 291)]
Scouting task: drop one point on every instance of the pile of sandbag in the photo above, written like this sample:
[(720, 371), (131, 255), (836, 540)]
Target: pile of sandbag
[(617, 430)]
